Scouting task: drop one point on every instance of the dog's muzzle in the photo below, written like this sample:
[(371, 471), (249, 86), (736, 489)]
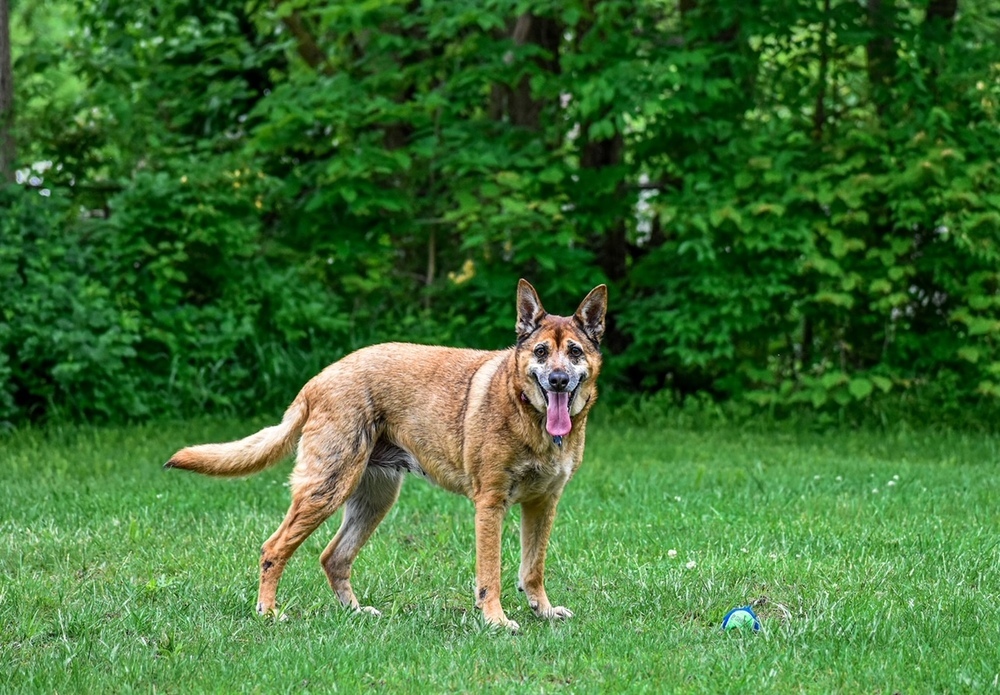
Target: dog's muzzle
[(558, 401)]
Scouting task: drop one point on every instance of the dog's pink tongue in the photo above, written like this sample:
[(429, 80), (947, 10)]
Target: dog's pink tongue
[(557, 416)]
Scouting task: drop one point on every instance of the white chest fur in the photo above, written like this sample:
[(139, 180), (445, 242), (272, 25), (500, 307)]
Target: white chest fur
[(535, 477)]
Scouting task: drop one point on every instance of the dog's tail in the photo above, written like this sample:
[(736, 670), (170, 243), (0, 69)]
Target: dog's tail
[(248, 455)]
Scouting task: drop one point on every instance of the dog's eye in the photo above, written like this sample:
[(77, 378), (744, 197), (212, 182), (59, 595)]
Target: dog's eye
[(541, 351), (575, 351)]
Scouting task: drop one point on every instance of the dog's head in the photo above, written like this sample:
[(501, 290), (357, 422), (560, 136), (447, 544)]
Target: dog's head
[(559, 357)]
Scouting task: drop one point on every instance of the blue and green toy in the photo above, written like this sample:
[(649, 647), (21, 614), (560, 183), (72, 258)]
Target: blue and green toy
[(742, 618)]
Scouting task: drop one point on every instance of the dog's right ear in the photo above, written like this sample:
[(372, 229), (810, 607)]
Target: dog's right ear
[(529, 309)]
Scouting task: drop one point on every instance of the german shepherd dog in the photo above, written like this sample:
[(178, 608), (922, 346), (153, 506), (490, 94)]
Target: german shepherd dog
[(501, 428)]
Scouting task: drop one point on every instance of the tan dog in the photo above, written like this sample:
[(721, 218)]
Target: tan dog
[(501, 428)]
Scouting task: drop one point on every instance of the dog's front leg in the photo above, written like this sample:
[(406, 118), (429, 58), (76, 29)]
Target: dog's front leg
[(537, 517), (489, 520)]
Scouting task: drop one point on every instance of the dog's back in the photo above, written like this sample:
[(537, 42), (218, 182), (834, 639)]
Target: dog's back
[(414, 395)]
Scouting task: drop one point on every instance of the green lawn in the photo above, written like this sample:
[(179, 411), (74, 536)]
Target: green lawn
[(873, 558)]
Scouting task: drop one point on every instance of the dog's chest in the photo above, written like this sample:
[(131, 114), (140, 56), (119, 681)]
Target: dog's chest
[(535, 476)]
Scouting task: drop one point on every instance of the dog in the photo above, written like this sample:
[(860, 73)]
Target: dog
[(502, 428)]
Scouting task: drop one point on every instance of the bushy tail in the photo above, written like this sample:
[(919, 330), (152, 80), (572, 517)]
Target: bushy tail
[(248, 455)]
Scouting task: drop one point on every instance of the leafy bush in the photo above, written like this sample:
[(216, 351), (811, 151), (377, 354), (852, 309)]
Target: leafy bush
[(793, 206), (66, 345)]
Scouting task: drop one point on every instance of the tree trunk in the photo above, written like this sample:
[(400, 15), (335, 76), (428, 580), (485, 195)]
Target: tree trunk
[(612, 249), (936, 34), (735, 60), (881, 53), (606, 206), (608, 212), (516, 103), (943, 11), (305, 43), (819, 114), (6, 98)]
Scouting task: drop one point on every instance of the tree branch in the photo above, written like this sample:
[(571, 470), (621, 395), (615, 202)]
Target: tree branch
[(306, 44), (7, 151)]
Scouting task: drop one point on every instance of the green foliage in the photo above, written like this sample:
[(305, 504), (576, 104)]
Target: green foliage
[(160, 309), (183, 249), (64, 343), (793, 206)]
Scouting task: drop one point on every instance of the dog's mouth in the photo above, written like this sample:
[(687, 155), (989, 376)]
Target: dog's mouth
[(557, 405)]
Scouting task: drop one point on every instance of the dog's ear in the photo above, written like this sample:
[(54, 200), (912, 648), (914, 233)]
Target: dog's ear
[(590, 314), (529, 309)]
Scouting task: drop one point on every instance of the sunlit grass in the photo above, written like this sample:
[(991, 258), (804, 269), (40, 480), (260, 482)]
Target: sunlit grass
[(873, 559)]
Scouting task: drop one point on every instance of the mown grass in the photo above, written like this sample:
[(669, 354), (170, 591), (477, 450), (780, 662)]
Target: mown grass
[(873, 558)]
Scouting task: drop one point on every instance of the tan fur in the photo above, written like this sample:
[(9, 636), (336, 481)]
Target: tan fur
[(471, 421), (249, 455)]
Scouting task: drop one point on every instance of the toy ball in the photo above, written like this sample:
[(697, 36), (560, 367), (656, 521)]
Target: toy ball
[(740, 618)]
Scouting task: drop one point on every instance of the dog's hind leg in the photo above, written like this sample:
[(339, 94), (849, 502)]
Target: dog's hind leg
[(326, 475), (371, 501)]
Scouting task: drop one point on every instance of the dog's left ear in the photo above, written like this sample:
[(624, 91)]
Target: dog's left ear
[(529, 309), (590, 314)]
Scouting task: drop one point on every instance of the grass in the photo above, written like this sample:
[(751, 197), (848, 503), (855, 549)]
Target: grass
[(873, 559)]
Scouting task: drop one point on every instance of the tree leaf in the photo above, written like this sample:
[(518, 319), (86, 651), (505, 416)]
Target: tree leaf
[(860, 388)]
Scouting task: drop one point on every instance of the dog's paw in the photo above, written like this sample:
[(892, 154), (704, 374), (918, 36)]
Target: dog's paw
[(369, 610), (555, 613), (507, 624), (274, 612), (502, 623)]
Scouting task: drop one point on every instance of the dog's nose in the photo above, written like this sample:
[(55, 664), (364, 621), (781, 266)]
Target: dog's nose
[(558, 380)]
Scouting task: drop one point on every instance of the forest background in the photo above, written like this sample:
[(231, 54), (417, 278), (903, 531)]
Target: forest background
[(794, 204)]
